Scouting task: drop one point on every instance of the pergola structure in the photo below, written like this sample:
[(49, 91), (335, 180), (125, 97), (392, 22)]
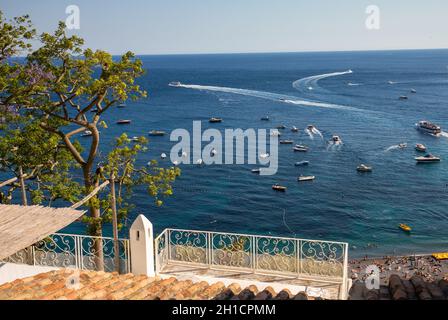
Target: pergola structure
[(22, 226)]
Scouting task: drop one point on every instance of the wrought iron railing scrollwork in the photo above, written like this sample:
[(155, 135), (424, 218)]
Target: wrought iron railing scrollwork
[(75, 251)]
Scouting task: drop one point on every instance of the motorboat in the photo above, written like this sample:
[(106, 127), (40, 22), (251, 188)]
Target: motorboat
[(420, 147), (294, 129), (257, 170), (123, 121), (403, 98), (306, 178), (336, 139), (413, 91), (427, 159), (87, 133), (156, 133), (300, 148), (122, 106), (302, 163), (135, 139), (278, 187), (428, 127), (266, 118), (405, 227), (163, 155), (175, 84), (286, 142), (215, 120), (364, 168), (281, 127), (402, 145), (311, 127)]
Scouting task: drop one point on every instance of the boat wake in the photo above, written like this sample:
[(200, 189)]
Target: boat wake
[(394, 147), (444, 134), (268, 96), (312, 82), (314, 132), (334, 146)]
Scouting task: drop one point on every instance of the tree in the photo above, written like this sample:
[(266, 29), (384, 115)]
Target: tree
[(66, 90)]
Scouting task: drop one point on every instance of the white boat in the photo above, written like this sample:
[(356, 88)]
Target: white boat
[(403, 145), (428, 127), (336, 139), (123, 121), (156, 133), (306, 178), (87, 133), (427, 159), (302, 163), (294, 129), (163, 155), (413, 91), (135, 139), (215, 120), (175, 84), (122, 106), (257, 170), (420, 147), (364, 168), (300, 148), (266, 118)]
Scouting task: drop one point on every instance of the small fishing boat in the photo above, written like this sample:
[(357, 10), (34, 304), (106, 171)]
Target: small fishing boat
[(302, 163), (257, 170), (300, 148), (294, 129), (286, 142), (156, 133), (306, 178), (413, 91), (405, 227), (403, 98), (364, 168), (266, 118), (87, 133), (278, 187), (215, 120), (163, 155), (281, 127), (123, 121), (420, 147), (429, 158)]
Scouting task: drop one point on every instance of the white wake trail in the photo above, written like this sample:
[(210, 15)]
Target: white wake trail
[(268, 96), (311, 82)]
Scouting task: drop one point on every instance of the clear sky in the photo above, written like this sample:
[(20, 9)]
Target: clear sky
[(215, 26)]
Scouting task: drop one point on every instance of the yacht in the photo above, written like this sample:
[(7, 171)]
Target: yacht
[(215, 120), (420, 147), (300, 148), (427, 159), (428, 127), (364, 168), (175, 84), (156, 133), (306, 178)]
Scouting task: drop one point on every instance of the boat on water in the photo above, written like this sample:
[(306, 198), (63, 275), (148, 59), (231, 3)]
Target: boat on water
[(427, 159), (413, 91), (402, 145), (403, 98), (405, 227), (87, 133), (215, 120), (257, 170), (123, 121), (306, 178), (302, 163), (174, 84), (156, 133), (294, 129), (281, 127), (429, 127), (364, 168), (286, 142), (135, 139), (278, 187), (420, 147), (122, 105), (266, 118), (336, 139), (300, 148), (310, 127)]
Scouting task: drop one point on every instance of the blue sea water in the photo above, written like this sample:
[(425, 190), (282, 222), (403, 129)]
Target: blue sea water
[(361, 107)]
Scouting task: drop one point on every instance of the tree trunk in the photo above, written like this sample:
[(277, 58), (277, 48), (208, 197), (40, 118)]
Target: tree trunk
[(22, 187), (113, 205), (95, 226)]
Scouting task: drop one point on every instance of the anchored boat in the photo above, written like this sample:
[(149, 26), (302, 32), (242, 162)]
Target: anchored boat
[(294, 129), (405, 227), (123, 121), (156, 133), (215, 120), (302, 163), (306, 178), (364, 168), (300, 148), (278, 187), (429, 158), (286, 142), (266, 118), (420, 147)]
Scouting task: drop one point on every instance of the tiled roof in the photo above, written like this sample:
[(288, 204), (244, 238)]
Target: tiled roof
[(70, 284), (415, 288)]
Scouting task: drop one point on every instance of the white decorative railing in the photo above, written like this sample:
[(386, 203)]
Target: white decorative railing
[(308, 259), (75, 251)]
